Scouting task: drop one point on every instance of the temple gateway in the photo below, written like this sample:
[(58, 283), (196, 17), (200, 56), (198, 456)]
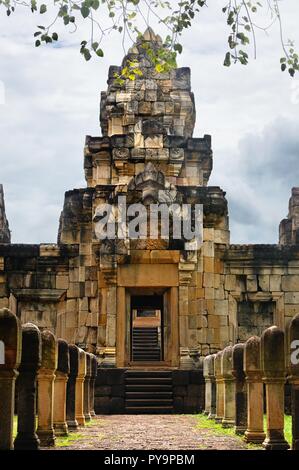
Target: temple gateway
[(150, 309)]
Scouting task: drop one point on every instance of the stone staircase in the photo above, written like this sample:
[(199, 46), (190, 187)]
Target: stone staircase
[(148, 392), (145, 344)]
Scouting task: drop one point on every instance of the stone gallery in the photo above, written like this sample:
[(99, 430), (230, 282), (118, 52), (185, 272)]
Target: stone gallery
[(150, 309)]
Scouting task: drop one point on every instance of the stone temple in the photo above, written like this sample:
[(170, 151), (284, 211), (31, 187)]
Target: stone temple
[(150, 309)]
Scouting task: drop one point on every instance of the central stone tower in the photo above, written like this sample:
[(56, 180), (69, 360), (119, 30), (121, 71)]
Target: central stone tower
[(151, 301)]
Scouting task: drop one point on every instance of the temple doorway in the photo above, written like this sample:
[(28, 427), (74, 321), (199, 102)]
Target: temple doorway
[(147, 326)]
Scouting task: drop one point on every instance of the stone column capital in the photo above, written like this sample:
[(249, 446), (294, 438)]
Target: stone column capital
[(274, 379), (253, 376)]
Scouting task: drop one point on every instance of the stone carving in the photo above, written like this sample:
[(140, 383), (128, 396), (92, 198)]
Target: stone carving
[(255, 406), (10, 338), (229, 414), (27, 438), (71, 387), (46, 376), (80, 388), (274, 377), (60, 389), (86, 404), (241, 394)]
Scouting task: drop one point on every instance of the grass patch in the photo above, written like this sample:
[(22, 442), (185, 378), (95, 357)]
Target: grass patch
[(92, 422), (66, 441), (15, 426), (288, 428), (215, 428), (63, 441)]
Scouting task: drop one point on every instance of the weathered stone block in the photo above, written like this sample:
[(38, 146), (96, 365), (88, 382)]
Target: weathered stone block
[(275, 283), (251, 283), (290, 283), (264, 282)]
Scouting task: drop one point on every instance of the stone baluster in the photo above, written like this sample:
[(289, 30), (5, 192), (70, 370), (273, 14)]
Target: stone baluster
[(71, 387), (241, 392), (94, 371), (80, 388), (11, 341), (86, 404), (229, 416), (219, 388), (274, 377), (255, 397), (45, 379), (211, 371), (208, 385), (27, 438), (294, 378), (61, 378)]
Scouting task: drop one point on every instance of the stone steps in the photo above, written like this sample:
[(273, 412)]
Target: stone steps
[(148, 392), (145, 345)]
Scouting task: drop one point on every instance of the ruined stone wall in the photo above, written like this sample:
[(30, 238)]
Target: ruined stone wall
[(289, 227), (40, 284), (264, 279), (4, 227)]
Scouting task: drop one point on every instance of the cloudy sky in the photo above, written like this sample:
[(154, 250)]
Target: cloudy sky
[(52, 102)]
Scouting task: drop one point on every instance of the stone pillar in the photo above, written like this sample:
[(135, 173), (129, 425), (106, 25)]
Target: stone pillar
[(255, 399), (208, 386), (294, 378), (211, 371), (86, 404), (274, 376), (11, 340), (241, 394), (80, 388), (94, 371), (45, 379), (63, 369), (30, 362), (71, 387), (229, 416), (219, 388)]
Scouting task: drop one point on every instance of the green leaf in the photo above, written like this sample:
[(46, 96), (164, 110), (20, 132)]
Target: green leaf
[(95, 4), (159, 68), (37, 43), (43, 9), (55, 37), (227, 60), (178, 47), (33, 5), (85, 11), (87, 55), (100, 53)]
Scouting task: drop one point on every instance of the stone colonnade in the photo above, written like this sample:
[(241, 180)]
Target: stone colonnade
[(55, 385), (250, 379)]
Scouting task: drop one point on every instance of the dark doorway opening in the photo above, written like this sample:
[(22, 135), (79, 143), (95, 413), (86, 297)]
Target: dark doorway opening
[(147, 342)]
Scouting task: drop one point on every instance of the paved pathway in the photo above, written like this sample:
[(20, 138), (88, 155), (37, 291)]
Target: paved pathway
[(150, 432)]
